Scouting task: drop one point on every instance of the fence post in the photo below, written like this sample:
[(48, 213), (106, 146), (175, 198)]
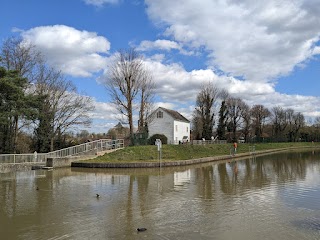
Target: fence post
[(35, 156)]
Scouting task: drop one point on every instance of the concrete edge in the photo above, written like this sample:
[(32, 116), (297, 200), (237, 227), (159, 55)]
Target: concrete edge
[(15, 167), (176, 163)]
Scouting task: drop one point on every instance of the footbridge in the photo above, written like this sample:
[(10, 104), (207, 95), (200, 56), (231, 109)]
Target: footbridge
[(90, 149)]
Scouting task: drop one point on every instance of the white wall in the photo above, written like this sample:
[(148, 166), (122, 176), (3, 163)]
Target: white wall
[(181, 129), (162, 126), (172, 129)]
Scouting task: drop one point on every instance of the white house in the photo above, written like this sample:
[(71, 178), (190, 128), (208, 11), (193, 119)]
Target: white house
[(169, 123)]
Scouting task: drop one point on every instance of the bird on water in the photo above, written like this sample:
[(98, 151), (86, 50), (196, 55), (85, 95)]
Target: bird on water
[(141, 229), (97, 195)]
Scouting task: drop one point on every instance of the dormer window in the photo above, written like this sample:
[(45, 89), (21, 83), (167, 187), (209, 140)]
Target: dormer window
[(160, 114)]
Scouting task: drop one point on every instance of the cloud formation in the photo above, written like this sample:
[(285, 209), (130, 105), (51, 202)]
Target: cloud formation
[(257, 45), (158, 44), (175, 83), (178, 88), (74, 52), (162, 44), (259, 40), (100, 3)]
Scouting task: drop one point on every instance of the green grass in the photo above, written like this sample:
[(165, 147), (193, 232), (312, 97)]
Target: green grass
[(184, 152)]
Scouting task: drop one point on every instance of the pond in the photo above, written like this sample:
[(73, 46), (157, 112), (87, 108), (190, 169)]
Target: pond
[(267, 197)]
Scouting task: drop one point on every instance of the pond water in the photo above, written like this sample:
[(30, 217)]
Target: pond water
[(268, 197)]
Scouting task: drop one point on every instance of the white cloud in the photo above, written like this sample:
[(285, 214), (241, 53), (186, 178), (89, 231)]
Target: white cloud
[(104, 117), (162, 44), (100, 3), (260, 40), (178, 88), (74, 52), (105, 111), (158, 44), (167, 105), (316, 50), (174, 83)]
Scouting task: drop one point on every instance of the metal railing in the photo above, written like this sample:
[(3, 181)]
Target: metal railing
[(252, 149), (96, 146), (23, 158), (85, 148), (204, 142)]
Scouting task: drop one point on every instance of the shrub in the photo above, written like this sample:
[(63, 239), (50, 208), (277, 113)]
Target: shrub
[(153, 138)]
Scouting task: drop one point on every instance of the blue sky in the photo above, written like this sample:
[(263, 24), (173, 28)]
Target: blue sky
[(266, 52)]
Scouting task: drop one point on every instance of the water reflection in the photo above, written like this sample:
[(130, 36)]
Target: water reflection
[(181, 178), (272, 196)]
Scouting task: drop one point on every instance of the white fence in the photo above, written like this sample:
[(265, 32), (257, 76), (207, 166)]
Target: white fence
[(94, 146)]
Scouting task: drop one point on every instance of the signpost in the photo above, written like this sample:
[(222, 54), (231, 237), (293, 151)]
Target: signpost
[(159, 145)]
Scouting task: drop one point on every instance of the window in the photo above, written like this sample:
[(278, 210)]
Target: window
[(187, 129), (159, 114), (176, 128)]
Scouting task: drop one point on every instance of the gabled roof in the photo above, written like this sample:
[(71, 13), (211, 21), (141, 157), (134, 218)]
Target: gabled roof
[(174, 114)]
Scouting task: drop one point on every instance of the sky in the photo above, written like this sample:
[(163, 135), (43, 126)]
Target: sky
[(265, 52)]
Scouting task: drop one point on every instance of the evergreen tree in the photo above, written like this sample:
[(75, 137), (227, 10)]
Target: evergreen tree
[(15, 104), (222, 122)]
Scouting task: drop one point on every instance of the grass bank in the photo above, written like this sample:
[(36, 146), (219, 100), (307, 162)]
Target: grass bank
[(185, 152)]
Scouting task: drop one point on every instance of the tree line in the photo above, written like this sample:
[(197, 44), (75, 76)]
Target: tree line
[(38, 105), (236, 119), (217, 114)]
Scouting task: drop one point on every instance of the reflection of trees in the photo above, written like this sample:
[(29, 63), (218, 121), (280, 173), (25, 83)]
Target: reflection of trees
[(143, 182), (205, 181), (129, 214), (229, 179), (247, 180), (8, 208), (235, 173), (225, 182), (142, 187), (291, 166), (260, 175), (238, 176)]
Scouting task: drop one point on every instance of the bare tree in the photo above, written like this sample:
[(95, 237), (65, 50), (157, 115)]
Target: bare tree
[(235, 108), (127, 76), (295, 122), (246, 116), (317, 122), (60, 107), (204, 111), (197, 125), (20, 56), (146, 99), (279, 121), (259, 114)]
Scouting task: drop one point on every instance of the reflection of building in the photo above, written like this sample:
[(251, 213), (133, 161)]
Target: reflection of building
[(181, 178), (169, 123)]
